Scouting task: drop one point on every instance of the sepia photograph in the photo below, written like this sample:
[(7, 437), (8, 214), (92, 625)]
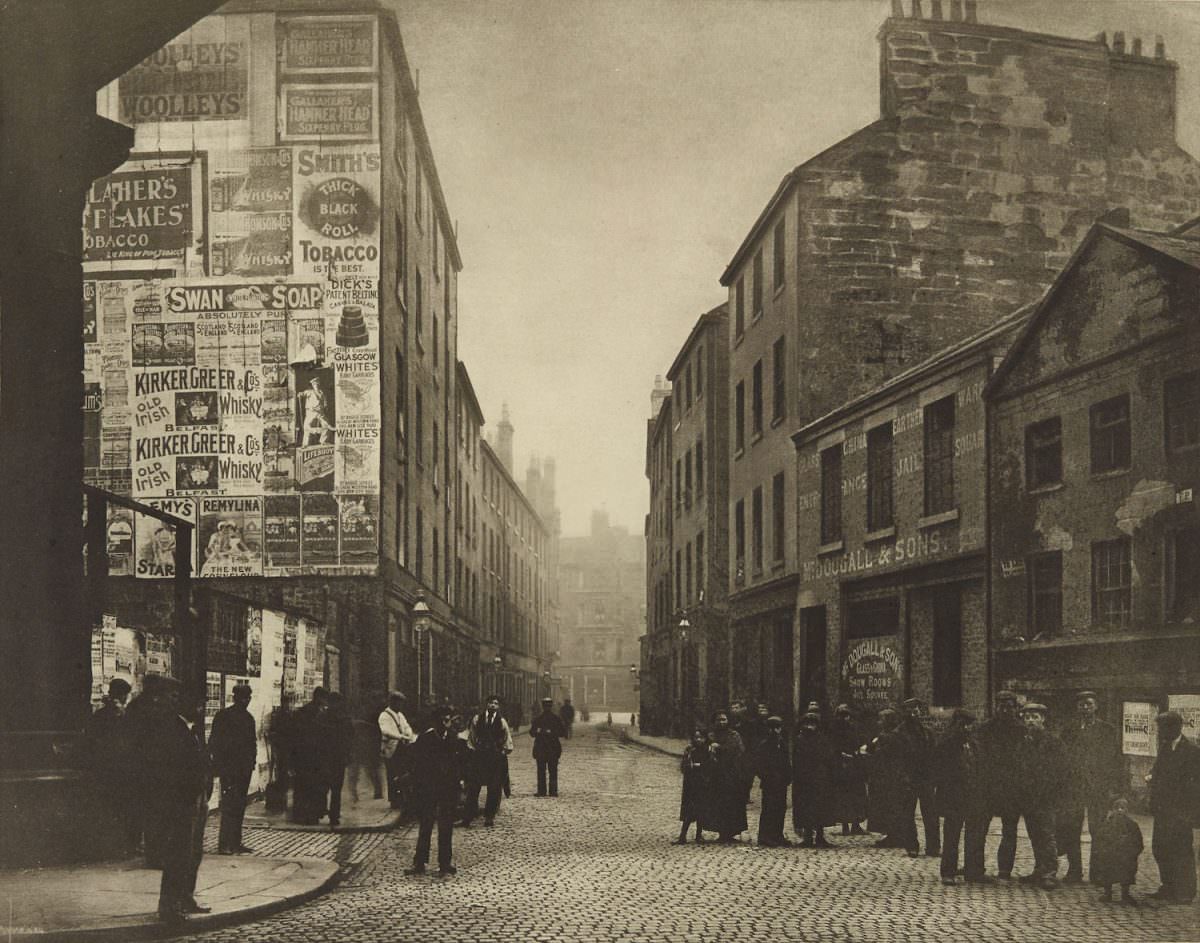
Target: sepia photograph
[(600, 471)]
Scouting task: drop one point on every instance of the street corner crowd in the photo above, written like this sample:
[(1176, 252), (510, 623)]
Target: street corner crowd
[(1009, 767), (439, 774)]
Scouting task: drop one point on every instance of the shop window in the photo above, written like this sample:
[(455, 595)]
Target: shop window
[(831, 494), (947, 646), (1183, 574), (879, 477), (1043, 453), (1112, 582), (1044, 576), (1110, 434), (1181, 411), (939, 456), (868, 618)]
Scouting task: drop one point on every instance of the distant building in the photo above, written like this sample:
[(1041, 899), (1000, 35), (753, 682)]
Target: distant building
[(994, 151), (602, 585), (1095, 478)]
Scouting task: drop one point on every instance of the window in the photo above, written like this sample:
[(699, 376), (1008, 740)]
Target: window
[(678, 579), (1112, 571), (1043, 453), (420, 423), (739, 533), (420, 545), (700, 371), (687, 386), (831, 494), (1181, 411), (739, 416), (687, 479), (939, 456), (947, 646), (420, 177), (779, 400), (756, 399), (436, 456), (400, 523), (1183, 575), (699, 468), (780, 244), (419, 307), (678, 485), (1110, 434), (435, 340), (778, 517), (1045, 593), (756, 528), (700, 574), (687, 570), (401, 397), (739, 307), (757, 287), (436, 233), (869, 618), (436, 551), (879, 477), (401, 249)]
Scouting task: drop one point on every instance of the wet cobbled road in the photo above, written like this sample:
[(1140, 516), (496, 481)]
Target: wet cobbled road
[(596, 865)]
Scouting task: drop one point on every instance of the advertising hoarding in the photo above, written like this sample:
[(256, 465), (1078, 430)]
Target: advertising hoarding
[(316, 45), (343, 111)]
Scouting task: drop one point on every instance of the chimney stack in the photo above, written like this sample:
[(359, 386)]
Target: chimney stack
[(918, 13), (504, 439), (1137, 45), (1102, 39), (1160, 48), (956, 11), (972, 11), (1119, 43), (898, 8), (935, 11)]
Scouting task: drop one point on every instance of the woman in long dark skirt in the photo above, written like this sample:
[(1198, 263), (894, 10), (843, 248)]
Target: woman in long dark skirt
[(729, 793), (850, 774), (812, 784), (695, 806)]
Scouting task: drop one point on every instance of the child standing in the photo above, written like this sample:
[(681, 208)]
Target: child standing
[(1118, 843), (697, 766)]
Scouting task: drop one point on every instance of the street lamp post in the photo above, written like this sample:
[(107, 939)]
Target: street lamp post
[(422, 623), (497, 662), (685, 671)]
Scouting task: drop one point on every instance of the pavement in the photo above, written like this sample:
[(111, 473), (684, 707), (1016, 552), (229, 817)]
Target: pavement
[(596, 865), (364, 814)]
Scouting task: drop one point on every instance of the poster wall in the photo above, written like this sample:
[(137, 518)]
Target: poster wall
[(1138, 731)]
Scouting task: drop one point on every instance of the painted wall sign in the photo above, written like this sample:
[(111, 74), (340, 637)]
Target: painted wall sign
[(140, 213), (871, 671), (337, 112), (250, 211), (898, 552), (327, 44)]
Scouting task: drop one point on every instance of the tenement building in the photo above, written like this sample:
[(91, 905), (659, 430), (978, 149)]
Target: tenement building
[(658, 704), (687, 549), (995, 150), (271, 355), (1095, 444), (892, 536)]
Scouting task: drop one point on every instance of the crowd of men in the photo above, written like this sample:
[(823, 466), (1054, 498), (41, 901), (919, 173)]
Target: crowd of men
[(1009, 767)]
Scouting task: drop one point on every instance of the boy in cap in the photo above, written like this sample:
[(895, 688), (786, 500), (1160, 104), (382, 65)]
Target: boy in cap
[(548, 733)]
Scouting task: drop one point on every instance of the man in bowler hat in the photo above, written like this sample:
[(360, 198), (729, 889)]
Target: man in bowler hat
[(548, 732), (233, 748), (438, 761), (1175, 804), (1093, 774)]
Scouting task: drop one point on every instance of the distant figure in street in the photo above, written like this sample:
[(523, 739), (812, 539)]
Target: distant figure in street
[(729, 779), (490, 741), (746, 727), (1116, 846), (1175, 804), (1094, 770), (773, 767), (955, 760), (108, 753), (438, 761), (280, 735), (812, 783), (548, 733), (233, 749), (395, 737), (173, 770), (567, 713), (849, 772), (366, 756), (1042, 764), (339, 742), (1000, 739), (310, 773), (918, 752), (887, 782), (633, 720), (696, 802)]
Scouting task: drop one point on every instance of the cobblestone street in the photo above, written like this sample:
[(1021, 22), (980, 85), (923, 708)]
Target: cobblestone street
[(597, 865)]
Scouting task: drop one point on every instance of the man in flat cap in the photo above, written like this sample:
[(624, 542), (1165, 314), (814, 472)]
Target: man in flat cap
[(233, 748), (439, 763), (395, 737), (773, 767), (1094, 772), (918, 743), (1000, 739), (1043, 774), (548, 732), (1175, 804)]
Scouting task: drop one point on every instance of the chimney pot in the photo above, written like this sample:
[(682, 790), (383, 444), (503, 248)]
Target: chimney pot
[(935, 11), (972, 11), (1137, 45), (956, 13), (898, 8), (1160, 48), (1119, 43), (1102, 39), (918, 13)]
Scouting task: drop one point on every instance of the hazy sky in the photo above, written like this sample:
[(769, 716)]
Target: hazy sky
[(605, 158)]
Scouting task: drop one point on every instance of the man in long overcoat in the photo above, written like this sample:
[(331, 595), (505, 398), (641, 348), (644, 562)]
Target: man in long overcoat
[(919, 755), (1093, 774), (773, 767), (959, 797), (1000, 739), (1175, 805), (233, 748), (1043, 769), (548, 732), (849, 773), (887, 772), (729, 779), (439, 763), (812, 783)]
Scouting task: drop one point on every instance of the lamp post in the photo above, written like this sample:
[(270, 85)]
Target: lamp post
[(685, 671), (422, 623), (497, 663)]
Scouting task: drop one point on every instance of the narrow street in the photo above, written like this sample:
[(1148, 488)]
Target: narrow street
[(597, 865)]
